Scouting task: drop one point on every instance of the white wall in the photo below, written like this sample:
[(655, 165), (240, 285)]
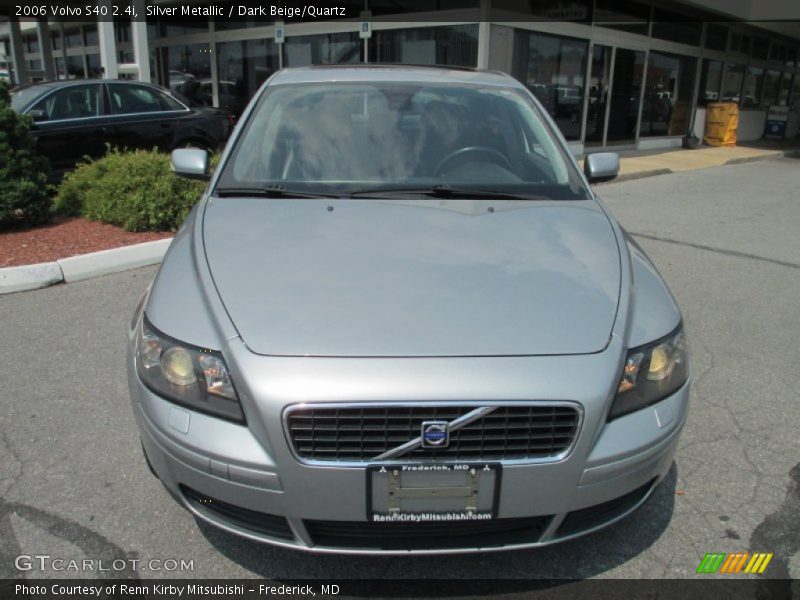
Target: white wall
[(751, 125), (699, 123)]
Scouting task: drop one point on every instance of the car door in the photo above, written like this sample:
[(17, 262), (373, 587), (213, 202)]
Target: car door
[(70, 123), (142, 116)]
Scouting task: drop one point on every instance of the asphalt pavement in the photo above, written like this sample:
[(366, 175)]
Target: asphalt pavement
[(74, 485)]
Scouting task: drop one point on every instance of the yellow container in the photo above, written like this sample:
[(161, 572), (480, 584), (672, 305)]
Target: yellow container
[(722, 120)]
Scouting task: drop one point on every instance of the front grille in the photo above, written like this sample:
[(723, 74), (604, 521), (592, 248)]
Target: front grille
[(418, 536), (600, 514), (359, 434), (258, 522)]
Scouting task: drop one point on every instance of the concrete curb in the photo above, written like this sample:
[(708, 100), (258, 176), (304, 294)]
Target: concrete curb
[(29, 277), (84, 266), (641, 174)]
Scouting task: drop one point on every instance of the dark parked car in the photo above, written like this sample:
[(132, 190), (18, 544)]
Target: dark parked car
[(73, 119)]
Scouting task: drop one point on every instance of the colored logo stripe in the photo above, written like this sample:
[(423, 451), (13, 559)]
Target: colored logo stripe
[(711, 562), (758, 563), (735, 562), (721, 562)]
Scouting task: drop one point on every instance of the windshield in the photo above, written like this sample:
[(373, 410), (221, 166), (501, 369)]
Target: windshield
[(366, 139), (22, 97)]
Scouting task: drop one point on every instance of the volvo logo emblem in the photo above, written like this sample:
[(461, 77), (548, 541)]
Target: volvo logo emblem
[(435, 434)]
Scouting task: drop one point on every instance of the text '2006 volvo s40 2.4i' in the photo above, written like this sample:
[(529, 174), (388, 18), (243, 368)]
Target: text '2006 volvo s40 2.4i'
[(400, 321)]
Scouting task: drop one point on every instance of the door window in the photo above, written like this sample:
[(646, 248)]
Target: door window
[(74, 102), (131, 99)]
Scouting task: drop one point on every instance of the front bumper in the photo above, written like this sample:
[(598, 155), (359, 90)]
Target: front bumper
[(225, 475)]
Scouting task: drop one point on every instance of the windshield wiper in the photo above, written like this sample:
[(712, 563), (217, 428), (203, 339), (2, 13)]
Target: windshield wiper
[(443, 191), (269, 192)]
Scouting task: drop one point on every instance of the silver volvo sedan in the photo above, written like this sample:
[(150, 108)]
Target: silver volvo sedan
[(399, 320)]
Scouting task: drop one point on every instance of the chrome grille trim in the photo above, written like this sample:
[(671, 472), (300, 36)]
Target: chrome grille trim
[(480, 410)]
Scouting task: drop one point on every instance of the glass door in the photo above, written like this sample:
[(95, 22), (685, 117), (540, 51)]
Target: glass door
[(626, 86), (599, 79)]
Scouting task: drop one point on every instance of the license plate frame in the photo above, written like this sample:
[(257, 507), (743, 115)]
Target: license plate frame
[(434, 483)]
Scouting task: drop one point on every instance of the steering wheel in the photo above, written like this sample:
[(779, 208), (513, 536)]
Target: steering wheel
[(491, 154)]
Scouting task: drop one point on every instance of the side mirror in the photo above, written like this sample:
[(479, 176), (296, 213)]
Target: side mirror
[(601, 166), (191, 163), (37, 114)]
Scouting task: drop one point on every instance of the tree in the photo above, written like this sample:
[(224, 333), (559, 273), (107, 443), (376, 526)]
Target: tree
[(24, 197)]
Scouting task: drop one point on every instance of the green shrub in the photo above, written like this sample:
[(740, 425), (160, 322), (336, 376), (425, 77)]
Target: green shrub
[(135, 190), (24, 197)]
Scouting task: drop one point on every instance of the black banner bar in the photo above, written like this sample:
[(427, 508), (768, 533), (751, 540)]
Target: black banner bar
[(701, 587)]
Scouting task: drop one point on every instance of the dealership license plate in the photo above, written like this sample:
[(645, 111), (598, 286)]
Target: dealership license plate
[(420, 492)]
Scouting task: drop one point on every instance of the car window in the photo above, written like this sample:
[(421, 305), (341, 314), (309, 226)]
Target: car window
[(73, 102), (23, 96), (345, 137), (129, 99)]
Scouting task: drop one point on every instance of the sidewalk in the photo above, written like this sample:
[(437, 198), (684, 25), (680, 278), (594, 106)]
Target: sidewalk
[(633, 165)]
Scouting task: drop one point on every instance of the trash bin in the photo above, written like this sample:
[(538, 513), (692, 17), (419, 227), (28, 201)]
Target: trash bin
[(777, 117), (722, 119)]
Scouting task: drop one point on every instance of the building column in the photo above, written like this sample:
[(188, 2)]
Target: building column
[(108, 49), (141, 47), (484, 35), (45, 49), (17, 53)]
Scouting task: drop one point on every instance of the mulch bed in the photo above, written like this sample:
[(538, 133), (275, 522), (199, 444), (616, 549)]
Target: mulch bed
[(63, 237)]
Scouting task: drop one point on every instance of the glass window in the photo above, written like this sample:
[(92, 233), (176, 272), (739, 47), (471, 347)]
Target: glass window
[(772, 83), (93, 65), (32, 43), (122, 31), (710, 78), (393, 7), (740, 43), (548, 10), (130, 99), (184, 26), (60, 67), (676, 27), (90, 35), (760, 47), (751, 90), (187, 70), (553, 69), (344, 137), (777, 52), (626, 15), (732, 76), (455, 45), (75, 68), (598, 94), (716, 37), (324, 49), (794, 97), (73, 37), (73, 102), (667, 95), (241, 68), (786, 88), (792, 56), (56, 37), (225, 24)]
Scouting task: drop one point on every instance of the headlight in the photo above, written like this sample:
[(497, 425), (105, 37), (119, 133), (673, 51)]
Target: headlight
[(651, 373), (196, 378)]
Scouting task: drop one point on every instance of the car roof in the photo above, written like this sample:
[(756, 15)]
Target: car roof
[(393, 73), (55, 83)]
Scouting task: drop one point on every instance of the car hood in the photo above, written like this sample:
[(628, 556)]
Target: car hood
[(414, 278)]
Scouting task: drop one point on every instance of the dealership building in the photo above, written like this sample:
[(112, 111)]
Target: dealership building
[(621, 74)]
